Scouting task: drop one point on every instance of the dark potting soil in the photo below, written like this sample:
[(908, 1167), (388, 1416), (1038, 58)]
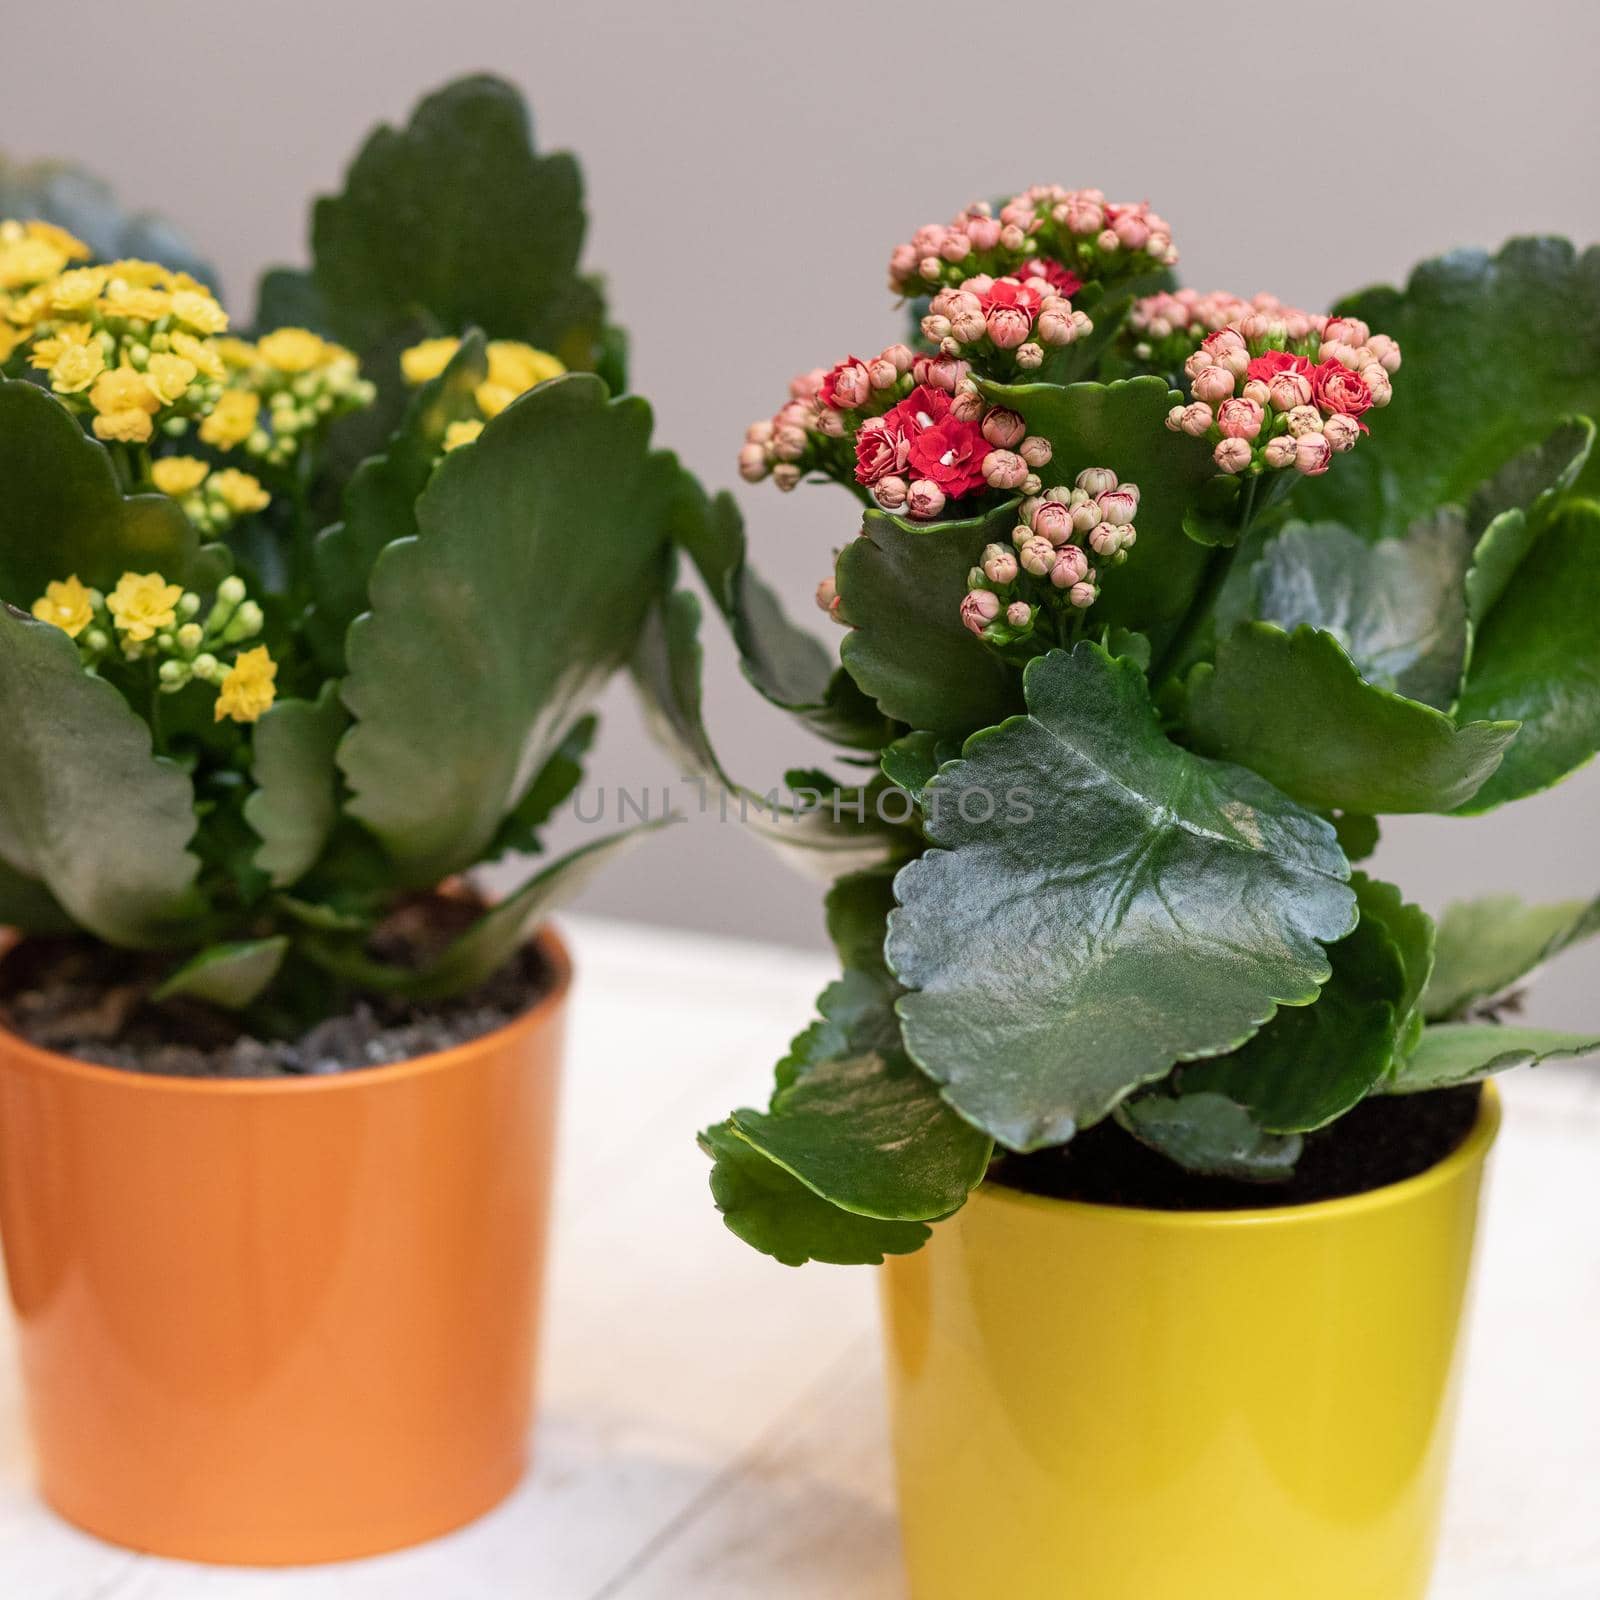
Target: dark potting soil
[(91, 1002), (1384, 1140)]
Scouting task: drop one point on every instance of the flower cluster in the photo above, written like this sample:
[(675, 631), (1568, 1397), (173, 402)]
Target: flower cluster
[(145, 618), (1283, 388), (909, 430), (281, 390), (1037, 591), (1061, 238), (1002, 320), (213, 500), (513, 369)]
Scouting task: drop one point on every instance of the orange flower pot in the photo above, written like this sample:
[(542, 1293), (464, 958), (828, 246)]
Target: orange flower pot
[(282, 1321)]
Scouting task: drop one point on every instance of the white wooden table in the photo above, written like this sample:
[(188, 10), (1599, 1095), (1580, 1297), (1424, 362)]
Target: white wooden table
[(712, 1423)]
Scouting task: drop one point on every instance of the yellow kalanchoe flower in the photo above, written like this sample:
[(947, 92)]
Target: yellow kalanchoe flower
[(124, 405), (76, 368), (493, 398), (427, 360), (248, 688), (77, 290), (135, 303), (142, 604), (460, 433), (518, 367), (239, 492), (232, 420), (292, 349), (66, 604), (203, 353), (198, 309), (178, 475), (236, 353), (69, 244), (67, 336)]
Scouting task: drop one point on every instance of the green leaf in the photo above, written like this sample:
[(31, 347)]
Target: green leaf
[(870, 1134), (455, 222), (1502, 346), (1454, 1053), (668, 669), (785, 664), (295, 802), (229, 975), (540, 549), (1358, 834), (85, 808), (1397, 607), (1102, 905), (1535, 478), (1312, 1063), (772, 1210), (911, 761), (1123, 426), (490, 943), (287, 298), (1294, 708), (62, 513), (1536, 659), (902, 587), (26, 906), (1211, 1135), (1487, 946), (83, 204), (380, 500), (559, 776)]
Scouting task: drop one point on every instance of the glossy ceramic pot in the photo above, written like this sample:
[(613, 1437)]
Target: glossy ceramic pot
[(1095, 1403), (281, 1321)]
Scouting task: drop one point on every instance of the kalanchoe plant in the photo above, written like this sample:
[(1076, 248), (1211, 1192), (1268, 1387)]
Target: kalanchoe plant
[(255, 691), (1159, 601)]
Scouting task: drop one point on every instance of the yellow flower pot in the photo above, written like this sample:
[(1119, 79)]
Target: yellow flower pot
[(1094, 1403)]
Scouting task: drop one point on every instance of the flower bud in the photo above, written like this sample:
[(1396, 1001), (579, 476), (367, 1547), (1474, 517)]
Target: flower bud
[(827, 593), (968, 327), (1383, 350), (1030, 356), (753, 463), (883, 374), (1019, 614), (1117, 506), (206, 667), (1377, 381), (1312, 452), (1038, 556), (984, 232), (1213, 385), (900, 355), (1004, 469), (1258, 392), (1197, 419), (1341, 432), (935, 327), (1286, 390), (1070, 566), (1303, 420), (789, 443), (1036, 450), (829, 422), (189, 604), (1174, 419), (999, 564), (1106, 540), (1057, 328), (978, 609), (1012, 237), (1053, 521), (967, 403), (1032, 484), (956, 247), (1004, 429), (891, 492), (1008, 326), (1083, 595), (786, 475), (189, 637), (1346, 330), (230, 591), (1279, 452), (1096, 480), (95, 641), (1022, 533), (1232, 455), (924, 499), (173, 674), (1239, 419), (1086, 516)]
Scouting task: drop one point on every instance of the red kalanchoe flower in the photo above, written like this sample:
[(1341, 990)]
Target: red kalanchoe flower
[(883, 448), (1267, 367), (951, 454), (1057, 278), (846, 386), (1336, 389)]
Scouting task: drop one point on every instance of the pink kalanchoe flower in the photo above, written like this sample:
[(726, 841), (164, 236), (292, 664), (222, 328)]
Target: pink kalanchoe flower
[(978, 609), (827, 594), (1240, 419), (1232, 455), (1213, 384), (1036, 450), (1312, 453), (1052, 520), (1037, 556), (1197, 419), (1341, 431), (1004, 429), (846, 386), (1019, 613), (1083, 595), (966, 404), (891, 493), (999, 564), (1071, 566), (1279, 452), (1118, 506), (1004, 469), (807, 385), (924, 500), (1286, 390)]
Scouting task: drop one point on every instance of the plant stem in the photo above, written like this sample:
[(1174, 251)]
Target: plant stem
[(1211, 582)]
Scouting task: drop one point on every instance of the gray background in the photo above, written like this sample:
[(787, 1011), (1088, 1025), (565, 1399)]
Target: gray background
[(749, 167)]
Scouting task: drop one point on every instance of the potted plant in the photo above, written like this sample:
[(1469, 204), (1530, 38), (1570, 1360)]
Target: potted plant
[(1164, 1114), (297, 630)]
